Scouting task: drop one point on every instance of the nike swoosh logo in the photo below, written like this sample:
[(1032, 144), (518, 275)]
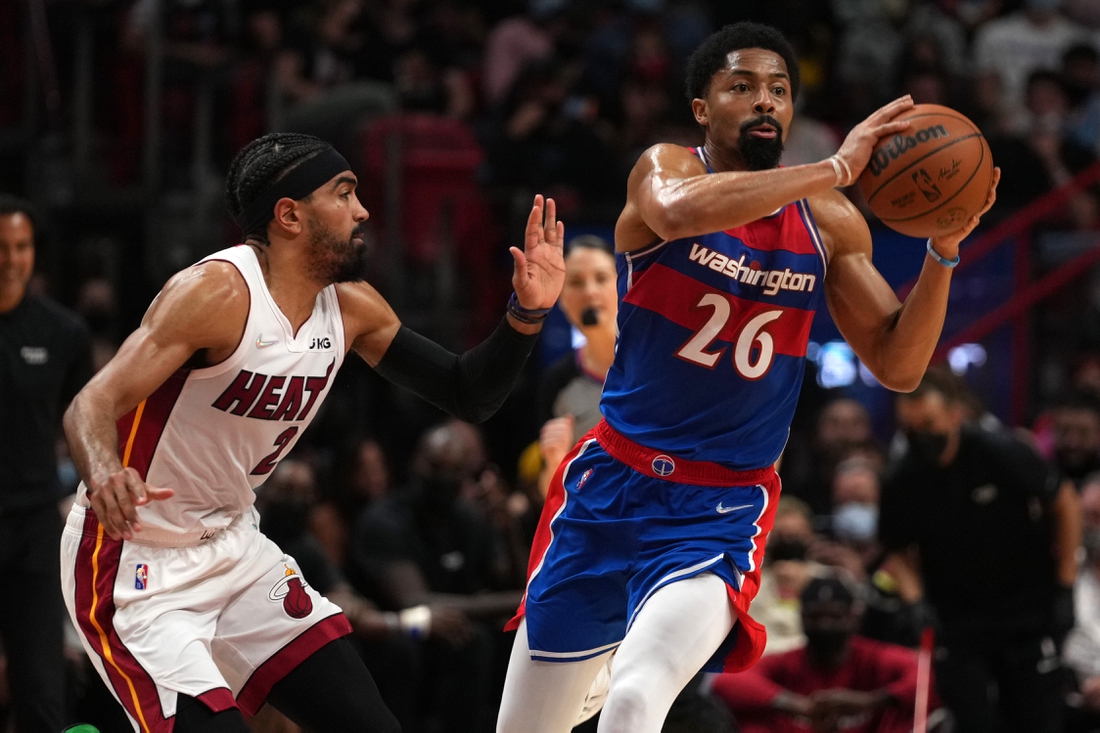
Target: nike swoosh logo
[(727, 509), (261, 344)]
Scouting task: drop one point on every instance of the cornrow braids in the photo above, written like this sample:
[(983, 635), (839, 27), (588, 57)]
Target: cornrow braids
[(261, 163)]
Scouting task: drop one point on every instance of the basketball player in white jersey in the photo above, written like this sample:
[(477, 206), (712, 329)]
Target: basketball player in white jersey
[(188, 612)]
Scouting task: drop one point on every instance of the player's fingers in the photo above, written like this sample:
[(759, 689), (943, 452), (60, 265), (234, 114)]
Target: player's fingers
[(520, 260), (550, 226), (155, 493), (113, 517), (892, 108), (534, 220), (991, 197), (560, 231), (103, 512), (128, 498), (891, 127)]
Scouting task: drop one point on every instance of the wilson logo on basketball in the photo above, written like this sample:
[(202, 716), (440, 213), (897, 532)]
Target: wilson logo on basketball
[(900, 143), (291, 590)]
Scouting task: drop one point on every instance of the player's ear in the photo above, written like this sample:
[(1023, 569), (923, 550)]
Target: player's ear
[(700, 110), (288, 217)]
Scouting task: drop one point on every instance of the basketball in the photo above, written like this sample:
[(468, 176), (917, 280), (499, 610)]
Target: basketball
[(931, 178)]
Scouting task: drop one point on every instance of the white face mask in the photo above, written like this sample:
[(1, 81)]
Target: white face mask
[(856, 521)]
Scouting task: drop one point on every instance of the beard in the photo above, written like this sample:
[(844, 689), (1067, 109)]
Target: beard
[(334, 259), (758, 153)]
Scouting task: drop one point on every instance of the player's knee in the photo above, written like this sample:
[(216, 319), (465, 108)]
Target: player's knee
[(629, 705)]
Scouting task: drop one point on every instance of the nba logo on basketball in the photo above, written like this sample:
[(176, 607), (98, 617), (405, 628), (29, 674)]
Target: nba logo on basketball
[(141, 576)]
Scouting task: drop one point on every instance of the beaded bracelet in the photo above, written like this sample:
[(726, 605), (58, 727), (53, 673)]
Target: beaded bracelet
[(526, 315), (940, 258)]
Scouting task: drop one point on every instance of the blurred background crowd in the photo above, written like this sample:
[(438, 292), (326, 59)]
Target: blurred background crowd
[(117, 122)]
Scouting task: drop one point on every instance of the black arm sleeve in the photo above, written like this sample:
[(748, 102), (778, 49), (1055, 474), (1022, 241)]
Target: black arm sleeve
[(472, 386)]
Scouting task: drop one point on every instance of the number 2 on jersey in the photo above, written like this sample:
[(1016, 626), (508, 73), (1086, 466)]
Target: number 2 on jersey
[(753, 333), (269, 461)]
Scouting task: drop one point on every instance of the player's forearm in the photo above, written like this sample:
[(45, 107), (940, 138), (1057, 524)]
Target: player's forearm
[(911, 338), (92, 436), (472, 386), (713, 203), (1067, 533)]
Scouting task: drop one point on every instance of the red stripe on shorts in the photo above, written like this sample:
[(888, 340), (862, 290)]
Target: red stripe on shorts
[(555, 498), (281, 663), (218, 699), (97, 563)]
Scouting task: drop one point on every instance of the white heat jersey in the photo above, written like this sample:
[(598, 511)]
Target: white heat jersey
[(215, 434)]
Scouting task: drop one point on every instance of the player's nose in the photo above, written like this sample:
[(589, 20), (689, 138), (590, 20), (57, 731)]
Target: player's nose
[(764, 102), (360, 214)]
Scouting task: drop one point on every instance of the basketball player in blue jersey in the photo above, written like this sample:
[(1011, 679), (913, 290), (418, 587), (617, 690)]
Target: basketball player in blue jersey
[(654, 529)]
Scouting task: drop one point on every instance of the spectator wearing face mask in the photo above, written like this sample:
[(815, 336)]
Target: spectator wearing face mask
[(996, 532), (1082, 651), (843, 427), (838, 681)]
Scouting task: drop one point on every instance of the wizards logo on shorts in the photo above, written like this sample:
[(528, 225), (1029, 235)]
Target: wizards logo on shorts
[(141, 576), (663, 465)]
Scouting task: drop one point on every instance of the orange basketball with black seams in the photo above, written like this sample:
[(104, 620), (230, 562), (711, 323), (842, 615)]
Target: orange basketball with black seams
[(930, 178)]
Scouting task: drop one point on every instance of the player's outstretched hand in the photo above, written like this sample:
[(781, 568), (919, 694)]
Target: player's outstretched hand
[(555, 440), (947, 245), (540, 266), (116, 500), (855, 152)]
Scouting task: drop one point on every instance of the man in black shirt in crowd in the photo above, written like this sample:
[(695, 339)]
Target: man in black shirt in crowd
[(425, 545), (45, 358), (995, 531)]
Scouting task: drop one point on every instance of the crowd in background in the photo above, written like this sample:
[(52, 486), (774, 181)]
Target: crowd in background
[(420, 528)]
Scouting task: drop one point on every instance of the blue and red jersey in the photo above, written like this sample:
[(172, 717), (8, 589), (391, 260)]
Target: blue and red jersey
[(712, 343)]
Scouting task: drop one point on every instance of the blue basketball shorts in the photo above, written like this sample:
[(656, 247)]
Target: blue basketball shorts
[(622, 521)]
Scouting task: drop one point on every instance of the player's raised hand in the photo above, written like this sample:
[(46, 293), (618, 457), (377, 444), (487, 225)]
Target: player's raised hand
[(947, 245), (540, 266), (855, 151), (116, 499)]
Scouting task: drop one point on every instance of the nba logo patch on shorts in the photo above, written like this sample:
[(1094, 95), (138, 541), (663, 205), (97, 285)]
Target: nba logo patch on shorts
[(141, 576)]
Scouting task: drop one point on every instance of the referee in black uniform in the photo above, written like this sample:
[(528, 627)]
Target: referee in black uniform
[(994, 531), (45, 358)]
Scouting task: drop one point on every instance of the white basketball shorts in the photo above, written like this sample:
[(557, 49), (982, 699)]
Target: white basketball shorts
[(222, 618)]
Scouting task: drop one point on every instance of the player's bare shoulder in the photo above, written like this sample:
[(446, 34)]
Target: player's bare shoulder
[(656, 167), (369, 321), (205, 305), (842, 226)]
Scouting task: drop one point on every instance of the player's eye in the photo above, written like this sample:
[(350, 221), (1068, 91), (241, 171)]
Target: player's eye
[(779, 90), (741, 87)]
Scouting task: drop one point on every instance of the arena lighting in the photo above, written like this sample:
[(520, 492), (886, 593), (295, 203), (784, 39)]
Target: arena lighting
[(838, 365), (964, 356)]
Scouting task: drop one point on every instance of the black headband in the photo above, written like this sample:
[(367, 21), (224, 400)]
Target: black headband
[(300, 182)]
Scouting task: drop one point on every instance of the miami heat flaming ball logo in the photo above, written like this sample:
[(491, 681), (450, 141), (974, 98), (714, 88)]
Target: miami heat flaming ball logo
[(291, 590)]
